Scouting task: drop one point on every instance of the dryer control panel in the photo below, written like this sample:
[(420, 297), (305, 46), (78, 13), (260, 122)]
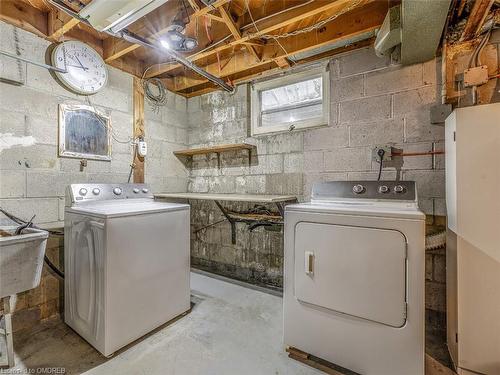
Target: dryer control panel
[(77, 193), (386, 190)]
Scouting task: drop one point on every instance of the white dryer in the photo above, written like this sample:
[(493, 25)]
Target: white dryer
[(354, 276), (126, 259)]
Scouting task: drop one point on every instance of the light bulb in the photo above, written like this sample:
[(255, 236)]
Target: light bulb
[(165, 44)]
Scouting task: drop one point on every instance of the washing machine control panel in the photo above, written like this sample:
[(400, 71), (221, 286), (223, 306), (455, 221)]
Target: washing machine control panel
[(77, 193), (386, 190)]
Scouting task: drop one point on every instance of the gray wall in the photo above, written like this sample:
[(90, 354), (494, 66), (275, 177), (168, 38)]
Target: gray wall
[(33, 178), (373, 101)]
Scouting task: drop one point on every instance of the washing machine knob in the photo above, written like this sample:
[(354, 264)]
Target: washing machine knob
[(96, 191), (145, 190), (135, 190), (399, 189), (117, 191), (358, 189), (383, 189), (83, 191)]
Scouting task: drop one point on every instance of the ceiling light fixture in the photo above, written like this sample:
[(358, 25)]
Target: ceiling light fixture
[(178, 42), (165, 44)]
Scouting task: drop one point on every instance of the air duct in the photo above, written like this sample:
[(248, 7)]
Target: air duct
[(415, 24), (114, 16), (389, 35)]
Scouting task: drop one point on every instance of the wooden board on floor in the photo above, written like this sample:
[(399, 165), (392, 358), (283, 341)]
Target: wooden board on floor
[(317, 363), (432, 367)]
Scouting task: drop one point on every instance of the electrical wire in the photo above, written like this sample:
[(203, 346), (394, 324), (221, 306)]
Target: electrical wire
[(380, 153), (155, 99), (132, 165), (275, 38), (307, 29), (107, 125)]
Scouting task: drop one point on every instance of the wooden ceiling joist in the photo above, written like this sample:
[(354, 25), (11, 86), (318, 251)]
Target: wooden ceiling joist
[(476, 18), (59, 24), (24, 16), (236, 47), (347, 26), (270, 25), (235, 31)]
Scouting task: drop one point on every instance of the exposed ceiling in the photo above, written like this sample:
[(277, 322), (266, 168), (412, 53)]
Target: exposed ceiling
[(237, 39)]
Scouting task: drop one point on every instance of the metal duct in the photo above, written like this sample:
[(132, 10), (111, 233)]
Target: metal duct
[(415, 24), (389, 35), (422, 24), (136, 39)]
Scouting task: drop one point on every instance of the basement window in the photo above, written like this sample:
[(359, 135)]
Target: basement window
[(290, 103)]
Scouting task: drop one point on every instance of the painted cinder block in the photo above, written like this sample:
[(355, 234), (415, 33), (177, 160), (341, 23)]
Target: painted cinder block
[(365, 109), (361, 61), (393, 79)]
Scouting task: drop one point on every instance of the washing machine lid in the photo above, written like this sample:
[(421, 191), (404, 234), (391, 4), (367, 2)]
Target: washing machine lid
[(125, 207)]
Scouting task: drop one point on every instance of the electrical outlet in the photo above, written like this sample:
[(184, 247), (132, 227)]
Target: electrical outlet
[(387, 153)]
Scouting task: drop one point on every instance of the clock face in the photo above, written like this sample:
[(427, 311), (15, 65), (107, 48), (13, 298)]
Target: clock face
[(86, 70)]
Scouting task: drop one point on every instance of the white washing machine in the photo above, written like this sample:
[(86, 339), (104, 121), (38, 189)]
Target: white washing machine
[(354, 277), (126, 259)]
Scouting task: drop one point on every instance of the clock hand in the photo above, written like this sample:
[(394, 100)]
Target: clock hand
[(79, 62), (77, 66)]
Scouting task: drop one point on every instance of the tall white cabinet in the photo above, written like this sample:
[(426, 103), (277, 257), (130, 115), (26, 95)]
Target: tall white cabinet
[(473, 248)]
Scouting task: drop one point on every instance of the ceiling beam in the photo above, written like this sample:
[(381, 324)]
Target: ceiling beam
[(269, 25), (236, 31), (282, 62), (347, 26), (116, 49), (194, 5), (265, 71), (59, 24), (215, 18), (24, 16), (32, 19), (476, 18)]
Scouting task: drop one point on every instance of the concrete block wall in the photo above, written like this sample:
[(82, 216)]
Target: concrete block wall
[(32, 176), (373, 101)]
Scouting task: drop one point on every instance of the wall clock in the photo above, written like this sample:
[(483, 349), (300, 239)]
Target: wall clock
[(86, 70)]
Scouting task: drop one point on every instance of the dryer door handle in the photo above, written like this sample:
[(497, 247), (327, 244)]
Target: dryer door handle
[(309, 262)]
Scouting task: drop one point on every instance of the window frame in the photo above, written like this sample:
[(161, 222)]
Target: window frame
[(255, 102)]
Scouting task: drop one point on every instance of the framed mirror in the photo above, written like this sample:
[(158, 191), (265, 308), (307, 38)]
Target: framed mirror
[(84, 132)]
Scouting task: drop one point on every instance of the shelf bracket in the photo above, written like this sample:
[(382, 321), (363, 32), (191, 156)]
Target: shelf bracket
[(231, 221)]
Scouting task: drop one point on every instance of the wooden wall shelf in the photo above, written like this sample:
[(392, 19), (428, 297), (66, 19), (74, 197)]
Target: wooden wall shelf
[(215, 149)]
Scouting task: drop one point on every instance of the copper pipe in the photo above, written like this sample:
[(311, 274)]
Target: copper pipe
[(419, 153)]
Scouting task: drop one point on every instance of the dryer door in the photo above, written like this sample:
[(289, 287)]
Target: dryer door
[(352, 270)]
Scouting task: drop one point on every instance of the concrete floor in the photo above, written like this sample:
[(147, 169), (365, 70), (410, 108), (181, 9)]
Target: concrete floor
[(230, 330)]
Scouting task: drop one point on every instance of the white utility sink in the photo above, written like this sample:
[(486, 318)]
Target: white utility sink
[(21, 259)]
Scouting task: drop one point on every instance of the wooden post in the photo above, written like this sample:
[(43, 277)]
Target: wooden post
[(138, 128), (8, 331)]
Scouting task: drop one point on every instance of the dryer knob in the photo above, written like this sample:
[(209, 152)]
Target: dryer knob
[(83, 191), (96, 191), (135, 190), (383, 189), (358, 189), (117, 191), (145, 190), (399, 189)]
